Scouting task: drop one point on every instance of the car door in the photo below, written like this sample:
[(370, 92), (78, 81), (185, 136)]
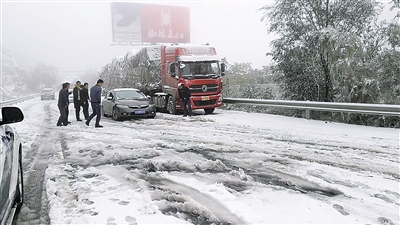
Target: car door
[(171, 80), (107, 104), (5, 172)]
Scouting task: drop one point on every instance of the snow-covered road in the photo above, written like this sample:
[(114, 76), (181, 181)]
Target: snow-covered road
[(226, 168)]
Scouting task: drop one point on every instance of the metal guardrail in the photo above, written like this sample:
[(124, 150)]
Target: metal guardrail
[(375, 109), (18, 100)]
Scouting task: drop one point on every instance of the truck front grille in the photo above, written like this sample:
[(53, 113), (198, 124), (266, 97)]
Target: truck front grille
[(203, 88), (138, 106)]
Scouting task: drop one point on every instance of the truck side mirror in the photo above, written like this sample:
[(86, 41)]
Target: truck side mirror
[(222, 69), (172, 69)]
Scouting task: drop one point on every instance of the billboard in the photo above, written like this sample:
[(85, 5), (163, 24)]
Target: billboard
[(135, 22)]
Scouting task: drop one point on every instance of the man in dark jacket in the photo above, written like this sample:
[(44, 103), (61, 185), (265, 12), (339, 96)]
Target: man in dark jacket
[(184, 95), (63, 105), (95, 99), (67, 108), (85, 99), (77, 99)]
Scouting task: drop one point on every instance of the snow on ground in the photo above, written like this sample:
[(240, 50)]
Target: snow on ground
[(226, 168)]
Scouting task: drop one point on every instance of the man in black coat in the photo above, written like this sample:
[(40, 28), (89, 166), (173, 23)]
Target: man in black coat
[(63, 105), (77, 99), (67, 108), (85, 99), (184, 95)]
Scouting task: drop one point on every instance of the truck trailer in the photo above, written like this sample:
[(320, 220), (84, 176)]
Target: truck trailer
[(157, 70)]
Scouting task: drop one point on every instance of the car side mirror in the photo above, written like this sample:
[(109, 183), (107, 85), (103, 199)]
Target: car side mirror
[(222, 69), (172, 69), (11, 115)]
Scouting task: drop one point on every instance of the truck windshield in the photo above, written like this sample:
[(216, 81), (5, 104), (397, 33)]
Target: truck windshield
[(199, 69)]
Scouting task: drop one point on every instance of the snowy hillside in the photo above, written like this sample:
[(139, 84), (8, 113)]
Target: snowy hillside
[(12, 77)]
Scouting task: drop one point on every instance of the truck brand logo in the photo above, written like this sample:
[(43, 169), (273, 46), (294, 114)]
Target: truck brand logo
[(204, 88)]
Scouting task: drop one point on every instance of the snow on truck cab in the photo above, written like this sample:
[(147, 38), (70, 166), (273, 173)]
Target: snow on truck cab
[(157, 70)]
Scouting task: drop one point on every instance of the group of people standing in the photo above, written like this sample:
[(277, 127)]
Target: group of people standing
[(81, 98)]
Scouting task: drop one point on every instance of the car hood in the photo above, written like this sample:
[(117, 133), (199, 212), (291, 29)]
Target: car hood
[(131, 102)]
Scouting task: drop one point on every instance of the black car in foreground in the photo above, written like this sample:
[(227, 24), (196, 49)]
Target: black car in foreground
[(126, 103), (11, 181)]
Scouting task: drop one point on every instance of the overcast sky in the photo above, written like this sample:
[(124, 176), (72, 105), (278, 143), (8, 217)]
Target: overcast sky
[(75, 35), (78, 35)]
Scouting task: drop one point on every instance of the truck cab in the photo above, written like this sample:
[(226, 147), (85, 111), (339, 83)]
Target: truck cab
[(199, 69)]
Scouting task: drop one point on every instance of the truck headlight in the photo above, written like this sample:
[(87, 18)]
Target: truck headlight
[(220, 99)]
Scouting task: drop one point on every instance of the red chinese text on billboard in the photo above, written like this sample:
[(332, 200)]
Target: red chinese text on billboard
[(162, 23), (134, 22)]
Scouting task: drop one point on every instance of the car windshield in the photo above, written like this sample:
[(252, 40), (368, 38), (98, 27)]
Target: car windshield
[(199, 68), (129, 94)]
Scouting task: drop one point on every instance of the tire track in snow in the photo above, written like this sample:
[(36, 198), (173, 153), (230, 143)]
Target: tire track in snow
[(217, 212), (266, 175), (35, 209)]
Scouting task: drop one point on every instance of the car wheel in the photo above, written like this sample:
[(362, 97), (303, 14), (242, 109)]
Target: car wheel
[(209, 111), (171, 107), (115, 114)]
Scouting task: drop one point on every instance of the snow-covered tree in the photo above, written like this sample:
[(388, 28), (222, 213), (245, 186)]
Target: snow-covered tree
[(314, 35), (242, 81), (336, 50)]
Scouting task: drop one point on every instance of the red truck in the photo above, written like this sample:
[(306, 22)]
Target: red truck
[(157, 70)]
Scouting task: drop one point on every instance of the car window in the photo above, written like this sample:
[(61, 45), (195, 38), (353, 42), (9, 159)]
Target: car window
[(129, 94), (47, 90)]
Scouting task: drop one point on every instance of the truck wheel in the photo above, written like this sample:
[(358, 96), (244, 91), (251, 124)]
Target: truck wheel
[(115, 114), (209, 111), (171, 107)]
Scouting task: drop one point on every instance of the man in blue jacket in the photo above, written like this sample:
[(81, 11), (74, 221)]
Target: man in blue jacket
[(63, 105), (95, 99)]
